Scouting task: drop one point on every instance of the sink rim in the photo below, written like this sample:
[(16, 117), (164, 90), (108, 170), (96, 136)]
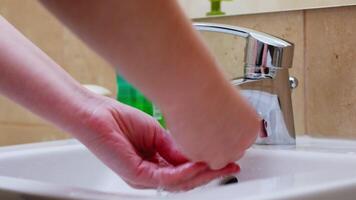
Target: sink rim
[(32, 187)]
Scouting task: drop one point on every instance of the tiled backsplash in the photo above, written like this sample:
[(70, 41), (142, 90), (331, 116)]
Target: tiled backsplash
[(330, 72), (199, 9)]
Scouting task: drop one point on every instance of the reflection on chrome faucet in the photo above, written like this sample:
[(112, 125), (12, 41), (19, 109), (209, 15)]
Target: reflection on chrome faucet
[(266, 83), (270, 111)]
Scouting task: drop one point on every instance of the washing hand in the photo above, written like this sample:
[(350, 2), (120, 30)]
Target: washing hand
[(216, 126), (205, 115), (134, 145), (157, 51)]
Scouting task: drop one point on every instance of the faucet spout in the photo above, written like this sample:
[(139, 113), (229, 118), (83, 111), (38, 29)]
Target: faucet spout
[(266, 83), (271, 98)]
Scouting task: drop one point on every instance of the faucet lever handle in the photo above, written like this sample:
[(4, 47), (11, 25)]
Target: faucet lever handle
[(263, 54)]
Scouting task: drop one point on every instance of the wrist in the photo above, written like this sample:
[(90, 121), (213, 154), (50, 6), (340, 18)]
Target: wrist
[(72, 116)]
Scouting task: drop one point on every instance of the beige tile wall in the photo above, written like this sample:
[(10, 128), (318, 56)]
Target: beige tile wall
[(18, 125), (198, 9), (331, 72)]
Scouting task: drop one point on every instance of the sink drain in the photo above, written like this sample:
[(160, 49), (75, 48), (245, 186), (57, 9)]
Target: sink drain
[(229, 180)]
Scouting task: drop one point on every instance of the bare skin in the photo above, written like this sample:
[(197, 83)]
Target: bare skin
[(158, 51), (127, 140), (155, 47)]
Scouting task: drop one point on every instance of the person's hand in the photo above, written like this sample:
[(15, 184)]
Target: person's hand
[(159, 52), (216, 126), (135, 146)]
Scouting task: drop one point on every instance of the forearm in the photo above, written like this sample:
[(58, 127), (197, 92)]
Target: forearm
[(32, 79), (151, 43), (155, 47)]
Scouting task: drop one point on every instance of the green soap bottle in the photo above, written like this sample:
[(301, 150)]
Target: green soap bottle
[(215, 8), (129, 95)]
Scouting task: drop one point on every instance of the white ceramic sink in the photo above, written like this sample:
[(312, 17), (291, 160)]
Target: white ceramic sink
[(315, 169)]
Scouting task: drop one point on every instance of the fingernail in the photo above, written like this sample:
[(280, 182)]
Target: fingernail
[(201, 164), (233, 167)]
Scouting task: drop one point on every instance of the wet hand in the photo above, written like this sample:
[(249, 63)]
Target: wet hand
[(137, 148)]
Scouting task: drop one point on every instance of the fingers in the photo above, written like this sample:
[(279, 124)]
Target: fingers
[(184, 177), (190, 176), (151, 175), (221, 163), (205, 177), (170, 176), (168, 149)]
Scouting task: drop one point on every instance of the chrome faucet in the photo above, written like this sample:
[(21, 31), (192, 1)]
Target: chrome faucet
[(266, 82)]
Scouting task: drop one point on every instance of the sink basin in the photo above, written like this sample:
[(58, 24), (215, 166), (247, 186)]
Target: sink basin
[(314, 169)]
